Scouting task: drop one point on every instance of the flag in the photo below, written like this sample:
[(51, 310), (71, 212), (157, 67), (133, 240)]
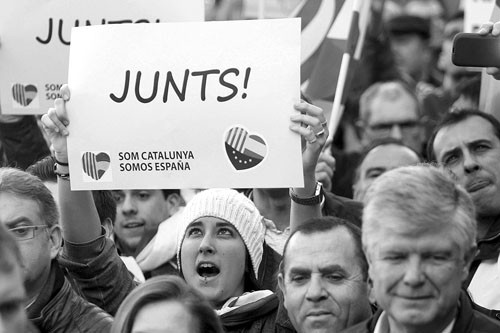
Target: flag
[(489, 100), (317, 19), (346, 35)]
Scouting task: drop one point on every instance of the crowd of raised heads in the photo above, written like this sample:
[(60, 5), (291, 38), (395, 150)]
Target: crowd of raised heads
[(396, 228)]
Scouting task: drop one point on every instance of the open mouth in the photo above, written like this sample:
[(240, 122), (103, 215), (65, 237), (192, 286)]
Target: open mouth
[(207, 269)]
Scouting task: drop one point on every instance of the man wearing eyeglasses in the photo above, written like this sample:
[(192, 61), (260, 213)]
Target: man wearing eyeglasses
[(386, 110), (29, 212), (13, 317), (390, 109)]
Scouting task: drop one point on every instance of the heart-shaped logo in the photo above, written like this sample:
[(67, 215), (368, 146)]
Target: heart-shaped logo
[(24, 95), (244, 150), (95, 165)]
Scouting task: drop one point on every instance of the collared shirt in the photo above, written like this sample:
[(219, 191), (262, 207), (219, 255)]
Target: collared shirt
[(484, 277), (485, 285), (274, 237), (382, 325)]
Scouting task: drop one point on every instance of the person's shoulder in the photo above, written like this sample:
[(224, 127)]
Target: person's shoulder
[(484, 324), (342, 207)]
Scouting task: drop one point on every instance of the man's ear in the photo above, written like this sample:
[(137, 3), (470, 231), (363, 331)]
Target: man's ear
[(55, 239), (281, 285), (174, 201), (360, 127), (107, 224)]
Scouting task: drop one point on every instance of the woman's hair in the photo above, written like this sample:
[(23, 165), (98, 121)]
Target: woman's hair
[(166, 288)]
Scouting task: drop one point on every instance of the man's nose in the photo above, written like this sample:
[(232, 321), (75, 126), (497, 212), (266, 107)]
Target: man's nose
[(396, 132), (129, 205), (316, 291), (470, 162), (414, 273)]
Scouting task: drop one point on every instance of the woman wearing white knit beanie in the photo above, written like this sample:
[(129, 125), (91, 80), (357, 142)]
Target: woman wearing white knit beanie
[(221, 240), (220, 248)]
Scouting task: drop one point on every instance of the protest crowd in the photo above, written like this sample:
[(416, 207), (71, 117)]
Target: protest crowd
[(396, 229)]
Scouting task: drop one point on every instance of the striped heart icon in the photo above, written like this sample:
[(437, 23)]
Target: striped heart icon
[(24, 95), (95, 166), (244, 150)]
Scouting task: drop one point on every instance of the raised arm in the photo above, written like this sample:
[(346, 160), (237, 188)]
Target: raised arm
[(310, 123), (79, 218), (89, 257)]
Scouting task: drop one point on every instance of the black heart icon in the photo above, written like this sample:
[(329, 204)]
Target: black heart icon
[(243, 149), (94, 165), (24, 95)]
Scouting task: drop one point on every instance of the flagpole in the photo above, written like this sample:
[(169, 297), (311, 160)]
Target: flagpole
[(338, 106), (260, 14)]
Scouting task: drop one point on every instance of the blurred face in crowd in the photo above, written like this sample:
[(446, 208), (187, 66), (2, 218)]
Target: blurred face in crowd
[(397, 118), (379, 160), (411, 54), (12, 298), (165, 316), (213, 259), (323, 286), (416, 278), (141, 210), (38, 243), (450, 30), (471, 151)]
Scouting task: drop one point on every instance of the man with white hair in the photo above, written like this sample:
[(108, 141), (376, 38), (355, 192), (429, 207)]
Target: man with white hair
[(419, 236)]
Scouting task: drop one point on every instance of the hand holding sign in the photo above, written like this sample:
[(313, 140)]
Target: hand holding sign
[(315, 134), (55, 123)]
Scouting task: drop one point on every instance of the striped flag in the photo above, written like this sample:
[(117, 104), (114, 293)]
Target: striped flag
[(489, 100), (243, 149), (346, 35), (317, 19)]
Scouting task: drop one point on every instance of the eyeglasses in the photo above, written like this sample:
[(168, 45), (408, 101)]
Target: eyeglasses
[(26, 232), (386, 128)]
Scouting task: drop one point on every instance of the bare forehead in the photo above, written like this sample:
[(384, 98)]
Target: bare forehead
[(469, 130), (393, 106), (390, 155), (334, 243)]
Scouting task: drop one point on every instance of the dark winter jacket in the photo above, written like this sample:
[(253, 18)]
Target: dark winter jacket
[(468, 320), (59, 309)]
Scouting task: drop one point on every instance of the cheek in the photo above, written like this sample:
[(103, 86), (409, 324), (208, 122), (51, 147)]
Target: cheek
[(293, 298), (234, 256), (383, 277), (35, 257), (189, 250)]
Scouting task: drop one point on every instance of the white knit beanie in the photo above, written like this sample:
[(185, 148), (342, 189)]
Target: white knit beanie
[(230, 206)]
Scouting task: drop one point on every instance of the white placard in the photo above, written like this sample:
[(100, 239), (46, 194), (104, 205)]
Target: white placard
[(35, 38), (185, 105)]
